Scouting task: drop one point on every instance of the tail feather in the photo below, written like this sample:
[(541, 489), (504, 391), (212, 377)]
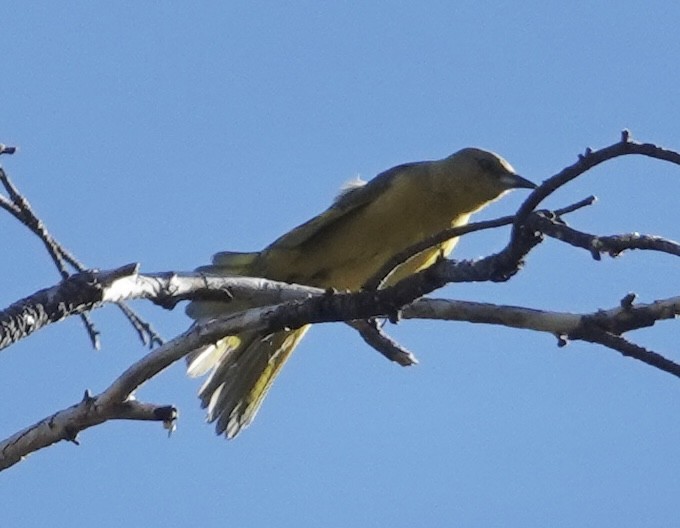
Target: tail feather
[(202, 360), (224, 377), (243, 367), (236, 388)]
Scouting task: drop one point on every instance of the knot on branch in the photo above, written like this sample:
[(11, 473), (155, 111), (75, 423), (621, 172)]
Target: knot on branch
[(630, 317), (508, 262)]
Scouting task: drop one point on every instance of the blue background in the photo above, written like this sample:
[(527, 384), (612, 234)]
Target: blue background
[(161, 132)]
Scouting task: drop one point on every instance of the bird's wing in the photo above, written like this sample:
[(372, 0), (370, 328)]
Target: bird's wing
[(347, 202)]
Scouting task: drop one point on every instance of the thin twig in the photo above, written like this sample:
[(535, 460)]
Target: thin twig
[(587, 161), (21, 209), (379, 278), (373, 335), (145, 331), (629, 349), (590, 200), (614, 245)]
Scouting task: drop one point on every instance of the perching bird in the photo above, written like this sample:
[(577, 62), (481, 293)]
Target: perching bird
[(341, 248)]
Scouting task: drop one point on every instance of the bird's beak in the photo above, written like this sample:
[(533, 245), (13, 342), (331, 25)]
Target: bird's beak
[(515, 181)]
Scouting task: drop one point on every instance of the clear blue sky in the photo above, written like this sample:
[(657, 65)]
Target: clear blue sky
[(160, 133)]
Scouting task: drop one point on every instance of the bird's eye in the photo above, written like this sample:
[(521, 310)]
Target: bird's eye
[(486, 164)]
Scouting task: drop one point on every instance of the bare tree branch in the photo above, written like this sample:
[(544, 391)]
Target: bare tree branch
[(287, 306), (66, 424), (598, 327), (617, 320), (371, 332), (603, 327), (613, 245), (20, 208), (629, 349), (587, 161), (73, 296)]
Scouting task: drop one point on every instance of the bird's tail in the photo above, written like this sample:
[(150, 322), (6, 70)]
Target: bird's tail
[(242, 367)]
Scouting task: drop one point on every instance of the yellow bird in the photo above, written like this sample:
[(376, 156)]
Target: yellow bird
[(341, 248)]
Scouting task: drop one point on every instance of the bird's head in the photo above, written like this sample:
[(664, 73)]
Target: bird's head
[(480, 176)]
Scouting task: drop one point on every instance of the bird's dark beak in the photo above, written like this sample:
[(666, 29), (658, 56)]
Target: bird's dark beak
[(515, 181)]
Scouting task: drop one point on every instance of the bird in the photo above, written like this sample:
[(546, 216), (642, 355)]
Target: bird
[(341, 249)]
